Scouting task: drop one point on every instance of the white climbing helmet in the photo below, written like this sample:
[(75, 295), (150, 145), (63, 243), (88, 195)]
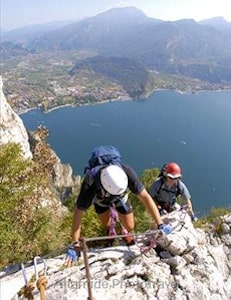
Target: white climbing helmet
[(114, 180)]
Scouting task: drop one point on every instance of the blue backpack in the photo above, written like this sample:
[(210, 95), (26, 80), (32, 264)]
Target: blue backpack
[(100, 157), (104, 155)]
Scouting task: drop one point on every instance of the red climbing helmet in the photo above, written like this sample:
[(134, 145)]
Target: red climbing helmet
[(173, 170)]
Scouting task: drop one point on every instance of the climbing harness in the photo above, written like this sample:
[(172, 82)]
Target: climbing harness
[(41, 281), (148, 240), (145, 242), (112, 228), (114, 219)]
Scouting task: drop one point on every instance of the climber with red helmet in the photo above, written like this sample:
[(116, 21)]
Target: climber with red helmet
[(167, 187), (107, 182)]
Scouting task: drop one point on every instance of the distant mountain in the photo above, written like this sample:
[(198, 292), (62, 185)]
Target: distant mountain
[(198, 50), (31, 31), (107, 28), (219, 23)]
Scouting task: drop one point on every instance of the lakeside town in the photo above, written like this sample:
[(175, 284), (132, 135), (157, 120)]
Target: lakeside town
[(43, 81)]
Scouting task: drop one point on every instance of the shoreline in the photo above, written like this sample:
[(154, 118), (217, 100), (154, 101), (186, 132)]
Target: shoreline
[(72, 105), (123, 99)]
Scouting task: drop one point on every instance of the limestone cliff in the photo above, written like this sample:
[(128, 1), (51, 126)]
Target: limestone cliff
[(34, 146), (61, 175), (11, 126)]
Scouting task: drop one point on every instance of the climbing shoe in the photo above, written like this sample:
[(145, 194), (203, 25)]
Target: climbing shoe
[(129, 241)]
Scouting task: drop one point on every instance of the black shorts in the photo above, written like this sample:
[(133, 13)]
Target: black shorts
[(124, 208)]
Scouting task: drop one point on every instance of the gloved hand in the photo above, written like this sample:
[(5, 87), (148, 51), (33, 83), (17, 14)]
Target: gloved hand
[(72, 255), (165, 228)]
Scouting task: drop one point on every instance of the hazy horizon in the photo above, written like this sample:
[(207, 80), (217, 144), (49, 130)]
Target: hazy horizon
[(48, 11)]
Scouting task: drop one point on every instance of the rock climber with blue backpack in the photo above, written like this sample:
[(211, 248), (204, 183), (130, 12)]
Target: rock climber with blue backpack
[(106, 181), (167, 187)]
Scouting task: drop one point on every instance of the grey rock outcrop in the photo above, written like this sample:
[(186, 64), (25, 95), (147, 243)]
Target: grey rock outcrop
[(12, 129), (11, 126), (62, 178), (201, 271)]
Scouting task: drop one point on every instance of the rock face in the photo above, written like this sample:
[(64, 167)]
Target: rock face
[(11, 126), (33, 143), (199, 269), (61, 175)]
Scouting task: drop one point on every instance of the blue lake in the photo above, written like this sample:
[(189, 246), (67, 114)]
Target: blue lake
[(191, 129)]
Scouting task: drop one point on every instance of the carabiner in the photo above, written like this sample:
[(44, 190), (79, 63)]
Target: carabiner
[(35, 266)]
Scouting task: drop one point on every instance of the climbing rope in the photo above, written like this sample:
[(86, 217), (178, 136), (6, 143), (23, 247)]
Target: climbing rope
[(41, 285), (113, 218), (145, 241), (148, 240)]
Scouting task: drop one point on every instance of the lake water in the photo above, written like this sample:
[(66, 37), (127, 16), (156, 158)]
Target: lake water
[(191, 129)]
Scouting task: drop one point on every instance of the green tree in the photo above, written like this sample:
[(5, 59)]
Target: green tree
[(15, 183), (142, 217), (27, 227), (148, 176)]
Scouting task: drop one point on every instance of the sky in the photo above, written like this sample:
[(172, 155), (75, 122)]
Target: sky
[(18, 13)]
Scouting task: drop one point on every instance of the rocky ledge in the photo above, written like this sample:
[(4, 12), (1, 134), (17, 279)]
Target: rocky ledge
[(187, 264)]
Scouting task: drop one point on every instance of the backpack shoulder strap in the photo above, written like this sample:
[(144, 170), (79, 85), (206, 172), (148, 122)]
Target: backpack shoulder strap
[(178, 191), (161, 184)]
